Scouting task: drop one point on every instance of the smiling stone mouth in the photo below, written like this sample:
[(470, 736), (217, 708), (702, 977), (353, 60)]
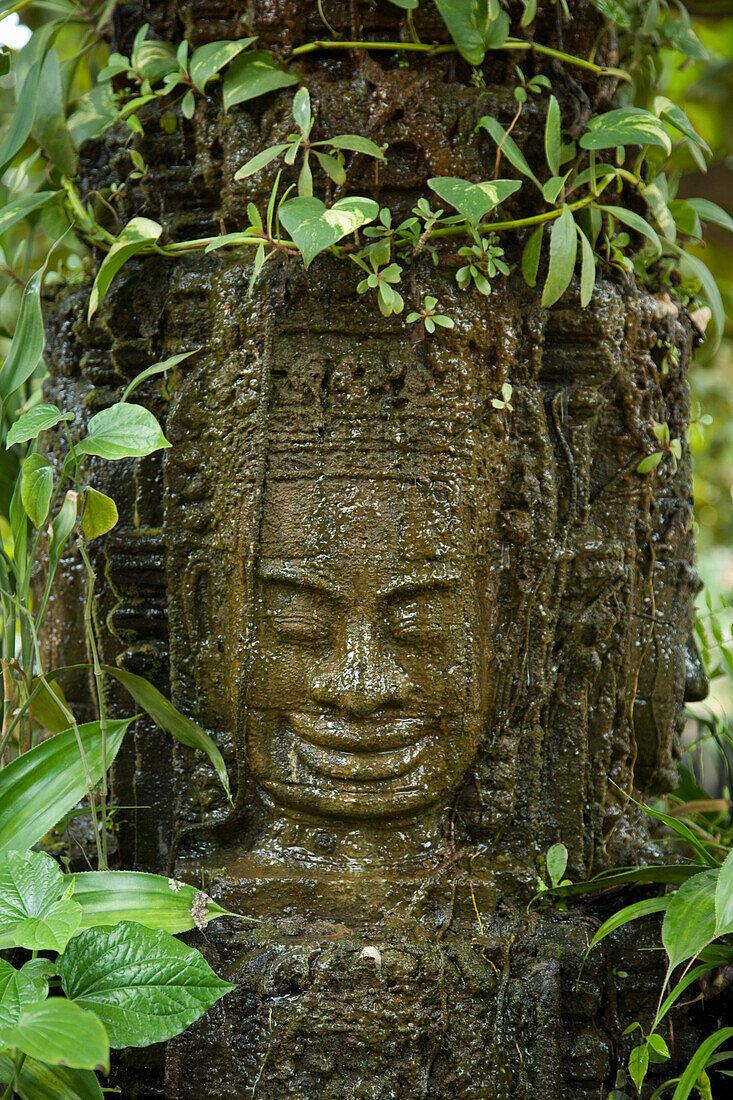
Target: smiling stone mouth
[(360, 750)]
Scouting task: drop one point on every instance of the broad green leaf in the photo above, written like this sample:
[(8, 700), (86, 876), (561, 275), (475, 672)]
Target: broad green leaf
[(636, 222), (254, 74), (509, 147), (30, 424), (552, 187), (108, 897), (28, 340), (95, 112), (724, 898), (531, 256), (50, 129), (563, 252), (314, 228), (21, 119), (260, 161), (587, 269), (684, 833), (473, 200), (18, 988), (210, 59), (639, 1064), (157, 368), (58, 1032), (356, 144), (171, 720), (34, 914), (122, 431), (626, 915), (100, 514), (39, 787), (406, 5), (709, 212), (649, 463), (36, 487), (553, 137), (144, 986), (700, 1060), (625, 126), (685, 217), (19, 209), (689, 923), (137, 234), (154, 59), (41, 1082)]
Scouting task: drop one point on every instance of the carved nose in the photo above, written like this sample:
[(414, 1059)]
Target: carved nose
[(359, 678)]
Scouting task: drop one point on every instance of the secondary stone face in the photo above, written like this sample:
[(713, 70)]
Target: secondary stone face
[(431, 636)]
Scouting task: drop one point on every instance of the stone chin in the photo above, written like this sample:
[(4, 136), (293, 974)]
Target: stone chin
[(370, 769)]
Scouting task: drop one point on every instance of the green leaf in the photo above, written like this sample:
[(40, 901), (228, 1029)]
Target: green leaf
[(635, 222), (563, 252), (587, 269), (144, 986), (95, 112), (356, 144), (28, 340), (710, 212), (61, 527), (314, 228), (625, 126), (36, 487), (649, 463), (626, 915), (39, 787), (34, 914), (689, 923), (122, 431), (154, 59), (100, 514), (406, 5), (21, 119), (208, 60), (137, 234), (699, 1060), (473, 200), (58, 1032), (693, 267), (509, 147), (556, 861), (531, 256), (157, 368), (30, 424), (171, 720), (17, 989), (724, 898), (676, 117), (639, 1064), (254, 74), (41, 1082), (50, 129), (108, 897), (553, 137), (474, 26), (16, 211), (49, 707), (260, 161)]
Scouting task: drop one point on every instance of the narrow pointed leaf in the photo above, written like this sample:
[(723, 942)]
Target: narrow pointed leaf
[(28, 340), (724, 898), (700, 1060), (587, 269), (108, 897), (36, 487), (41, 1082), (553, 138), (509, 147), (15, 211), (531, 257), (689, 923), (156, 368), (563, 252), (260, 161)]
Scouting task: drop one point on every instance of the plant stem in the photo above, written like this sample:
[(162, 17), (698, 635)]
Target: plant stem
[(99, 683)]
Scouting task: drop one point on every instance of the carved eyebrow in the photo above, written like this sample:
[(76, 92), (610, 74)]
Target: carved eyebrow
[(437, 576), (295, 573)]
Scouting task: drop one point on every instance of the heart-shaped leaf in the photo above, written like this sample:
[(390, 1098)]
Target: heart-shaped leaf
[(473, 200), (17, 989), (59, 1032), (34, 913), (315, 228), (145, 986), (122, 431), (100, 514)]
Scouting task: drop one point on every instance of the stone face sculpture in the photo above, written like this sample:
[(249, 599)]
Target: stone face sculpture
[(433, 630)]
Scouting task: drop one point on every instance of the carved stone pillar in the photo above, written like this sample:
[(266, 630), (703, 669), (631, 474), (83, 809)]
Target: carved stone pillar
[(432, 637)]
